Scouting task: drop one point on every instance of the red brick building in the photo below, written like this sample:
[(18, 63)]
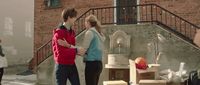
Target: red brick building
[(47, 12)]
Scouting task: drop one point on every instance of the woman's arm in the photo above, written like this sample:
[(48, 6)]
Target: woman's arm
[(87, 39)]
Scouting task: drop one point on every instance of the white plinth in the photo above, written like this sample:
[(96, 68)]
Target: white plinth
[(117, 66), (119, 82), (118, 59)]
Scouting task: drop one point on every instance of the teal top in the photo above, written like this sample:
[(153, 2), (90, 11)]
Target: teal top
[(94, 44)]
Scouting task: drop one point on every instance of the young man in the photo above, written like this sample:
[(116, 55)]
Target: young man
[(64, 55)]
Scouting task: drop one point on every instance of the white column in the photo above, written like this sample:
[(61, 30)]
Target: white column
[(115, 12), (138, 11)]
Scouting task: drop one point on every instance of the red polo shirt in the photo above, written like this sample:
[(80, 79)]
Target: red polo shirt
[(64, 55)]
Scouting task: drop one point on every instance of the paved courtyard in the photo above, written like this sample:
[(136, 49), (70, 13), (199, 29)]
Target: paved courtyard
[(18, 75)]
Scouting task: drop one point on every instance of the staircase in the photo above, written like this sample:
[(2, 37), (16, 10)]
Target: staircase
[(147, 13)]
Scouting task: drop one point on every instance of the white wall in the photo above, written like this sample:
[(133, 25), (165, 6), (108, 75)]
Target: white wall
[(16, 30)]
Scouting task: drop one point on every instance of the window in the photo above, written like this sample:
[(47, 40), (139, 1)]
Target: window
[(52, 3), (8, 29), (28, 32)]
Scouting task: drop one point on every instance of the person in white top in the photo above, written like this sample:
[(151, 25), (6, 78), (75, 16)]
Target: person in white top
[(1, 68)]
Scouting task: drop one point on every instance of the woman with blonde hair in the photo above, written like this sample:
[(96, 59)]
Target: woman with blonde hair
[(93, 44)]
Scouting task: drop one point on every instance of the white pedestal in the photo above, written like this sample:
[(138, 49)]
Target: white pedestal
[(117, 66), (116, 82), (118, 59)]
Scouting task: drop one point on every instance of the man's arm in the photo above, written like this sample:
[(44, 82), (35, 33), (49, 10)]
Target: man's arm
[(65, 43), (59, 37), (79, 51)]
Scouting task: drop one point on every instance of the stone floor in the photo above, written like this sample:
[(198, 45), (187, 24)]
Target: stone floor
[(12, 79), (18, 75)]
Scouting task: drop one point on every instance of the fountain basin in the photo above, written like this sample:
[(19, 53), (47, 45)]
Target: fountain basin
[(118, 59)]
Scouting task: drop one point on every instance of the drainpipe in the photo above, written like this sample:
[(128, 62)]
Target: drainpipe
[(138, 12)]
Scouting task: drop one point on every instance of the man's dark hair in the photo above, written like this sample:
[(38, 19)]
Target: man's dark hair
[(70, 12)]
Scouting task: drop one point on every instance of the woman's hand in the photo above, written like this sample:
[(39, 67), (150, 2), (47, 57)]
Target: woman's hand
[(81, 51)]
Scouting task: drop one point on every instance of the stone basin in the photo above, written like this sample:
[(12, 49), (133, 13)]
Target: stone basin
[(118, 59)]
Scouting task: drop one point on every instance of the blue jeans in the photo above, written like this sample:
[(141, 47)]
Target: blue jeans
[(64, 72)]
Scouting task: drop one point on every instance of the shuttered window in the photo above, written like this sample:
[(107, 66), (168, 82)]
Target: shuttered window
[(52, 3)]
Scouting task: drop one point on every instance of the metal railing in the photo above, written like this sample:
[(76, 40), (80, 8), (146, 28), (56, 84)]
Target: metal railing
[(150, 13), (173, 22)]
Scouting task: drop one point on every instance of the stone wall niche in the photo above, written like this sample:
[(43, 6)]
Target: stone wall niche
[(119, 49)]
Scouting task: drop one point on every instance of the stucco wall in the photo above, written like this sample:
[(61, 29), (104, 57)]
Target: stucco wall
[(16, 30)]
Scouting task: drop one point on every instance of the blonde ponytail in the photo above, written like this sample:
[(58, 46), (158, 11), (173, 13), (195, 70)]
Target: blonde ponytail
[(94, 22)]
